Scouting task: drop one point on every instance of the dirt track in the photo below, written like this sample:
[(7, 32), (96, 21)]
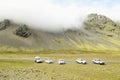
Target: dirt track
[(68, 61)]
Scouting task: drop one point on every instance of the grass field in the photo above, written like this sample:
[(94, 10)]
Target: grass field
[(28, 70)]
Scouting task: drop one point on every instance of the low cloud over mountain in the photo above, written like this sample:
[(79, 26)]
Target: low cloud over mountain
[(99, 33), (56, 15)]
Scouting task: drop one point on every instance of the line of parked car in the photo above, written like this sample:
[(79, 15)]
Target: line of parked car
[(61, 61)]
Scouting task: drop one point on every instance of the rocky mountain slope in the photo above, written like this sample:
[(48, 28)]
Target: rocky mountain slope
[(99, 33)]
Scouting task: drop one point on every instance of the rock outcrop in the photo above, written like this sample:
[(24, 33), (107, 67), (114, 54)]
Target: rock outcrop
[(98, 21), (4, 24), (102, 24), (23, 31)]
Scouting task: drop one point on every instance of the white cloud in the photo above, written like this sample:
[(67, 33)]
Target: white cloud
[(46, 15)]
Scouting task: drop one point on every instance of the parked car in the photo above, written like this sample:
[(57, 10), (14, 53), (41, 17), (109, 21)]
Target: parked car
[(98, 61), (61, 61), (38, 59), (49, 61), (81, 61)]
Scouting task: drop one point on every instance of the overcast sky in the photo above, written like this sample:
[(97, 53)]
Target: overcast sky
[(56, 14)]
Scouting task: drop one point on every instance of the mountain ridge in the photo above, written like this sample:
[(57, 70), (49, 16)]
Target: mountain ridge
[(99, 33)]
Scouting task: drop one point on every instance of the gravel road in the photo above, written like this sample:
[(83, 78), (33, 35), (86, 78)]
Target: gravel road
[(68, 61)]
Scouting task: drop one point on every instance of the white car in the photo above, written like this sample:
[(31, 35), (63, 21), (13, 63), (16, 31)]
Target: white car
[(49, 61), (81, 61), (98, 61), (61, 61), (38, 59)]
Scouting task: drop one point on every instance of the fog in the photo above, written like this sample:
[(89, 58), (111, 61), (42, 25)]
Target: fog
[(50, 16)]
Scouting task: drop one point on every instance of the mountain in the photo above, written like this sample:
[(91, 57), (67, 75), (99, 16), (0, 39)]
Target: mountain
[(98, 33)]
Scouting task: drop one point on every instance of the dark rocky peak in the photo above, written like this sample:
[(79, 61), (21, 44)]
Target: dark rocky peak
[(23, 31), (4, 24), (99, 21), (101, 24)]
